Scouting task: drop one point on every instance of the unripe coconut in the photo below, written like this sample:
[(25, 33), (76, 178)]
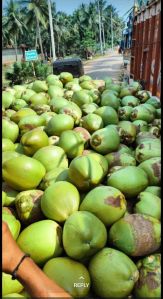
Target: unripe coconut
[(7, 145), (88, 85), (108, 265), (100, 84), (42, 240), (4, 196), (19, 148), (146, 137), (143, 95), (8, 113), (40, 109), (154, 101), (63, 176), (128, 131), (129, 180), (27, 94), (92, 122), (154, 190), (16, 117), (39, 86), (40, 98), (59, 201), (149, 282), (81, 97), (152, 168), (19, 104), (124, 112), (51, 157), (72, 86), (107, 90), (89, 108), (19, 90), (30, 122), (10, 194), (141, 112), (10, 286), (23, 173), (84, 78), (108, 114), (147, 150), (141, 126), (123, 148), (85, 172), (109, 99), (150, 108), (69, 274), (65, 77), (157, 123), (87, 234), (58, 124), (148, 204), (72, 143), (105, 140), (95, 94), (120, 159), (55, 91), (114, 86), (14, 295), (100, 159), (130, 101), (72, 110), (50, 177), (7, 99), (34, 140), (9, 155), (28, 206), (127, 91), (58, 103), (13, 224), (85, 135), (136, 234), (47, 116), (107, 203), (155, 131), (50, 79), (136, 85), (10, 130)]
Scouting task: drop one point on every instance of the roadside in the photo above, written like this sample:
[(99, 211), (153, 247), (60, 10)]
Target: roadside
[(99, 67), (110, 65)]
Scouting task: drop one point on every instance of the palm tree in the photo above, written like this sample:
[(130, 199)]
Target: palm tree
[(62, 31), (5, 32), (13, 23), (51, 29), (37, 15)]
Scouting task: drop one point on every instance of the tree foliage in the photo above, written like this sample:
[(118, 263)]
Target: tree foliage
[(28, 22)]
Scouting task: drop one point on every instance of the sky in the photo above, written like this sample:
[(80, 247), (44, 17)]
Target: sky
[(68, 6)]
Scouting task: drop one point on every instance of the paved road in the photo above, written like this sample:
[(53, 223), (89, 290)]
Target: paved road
[(106, 66)]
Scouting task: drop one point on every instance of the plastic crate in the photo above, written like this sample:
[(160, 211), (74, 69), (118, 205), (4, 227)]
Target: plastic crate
[(72, 65)]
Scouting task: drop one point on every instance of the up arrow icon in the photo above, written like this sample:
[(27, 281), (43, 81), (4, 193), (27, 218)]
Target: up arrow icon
[(81, 277)]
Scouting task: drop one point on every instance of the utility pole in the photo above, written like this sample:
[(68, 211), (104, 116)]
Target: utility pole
[(103, 34), (51, 30), (99, 17), (111, 31)]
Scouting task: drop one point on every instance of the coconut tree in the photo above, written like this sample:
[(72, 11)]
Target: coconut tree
[(62, 31), (5, 32), (37, 15), (13, 23)]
